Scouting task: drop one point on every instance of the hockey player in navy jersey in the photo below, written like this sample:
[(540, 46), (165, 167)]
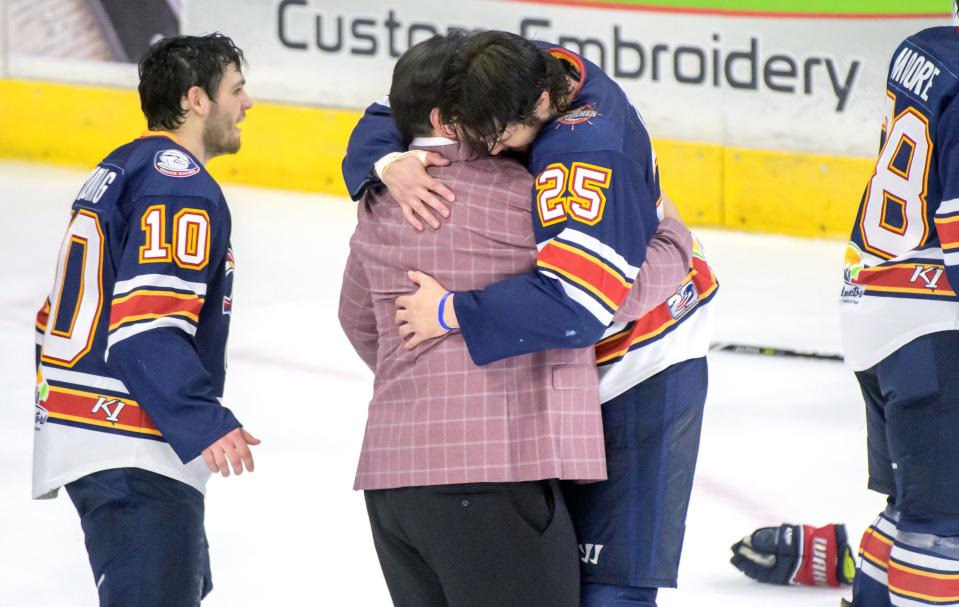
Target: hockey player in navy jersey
[(595, 204), (131, 341), (900, 329)]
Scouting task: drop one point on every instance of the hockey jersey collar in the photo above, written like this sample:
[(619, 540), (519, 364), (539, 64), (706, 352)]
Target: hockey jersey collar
[(574, 61), (174, 139), (166, 134)]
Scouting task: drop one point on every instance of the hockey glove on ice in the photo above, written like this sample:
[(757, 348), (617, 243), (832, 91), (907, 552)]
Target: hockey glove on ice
[(796, 554)]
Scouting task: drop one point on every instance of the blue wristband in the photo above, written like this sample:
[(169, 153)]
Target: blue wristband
[(439, 311)]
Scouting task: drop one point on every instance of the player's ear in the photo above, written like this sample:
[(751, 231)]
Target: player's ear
[(543, 106), (196, 100), (440, 127)]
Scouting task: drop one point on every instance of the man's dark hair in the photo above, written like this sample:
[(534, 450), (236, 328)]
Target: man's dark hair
[(495, 79), (173, 65), (417, 80)]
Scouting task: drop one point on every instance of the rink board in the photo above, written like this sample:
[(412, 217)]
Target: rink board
[(300, 148)]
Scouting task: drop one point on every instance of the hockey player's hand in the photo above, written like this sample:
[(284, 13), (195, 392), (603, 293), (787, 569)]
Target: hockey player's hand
[(418, 193), (418, 314), (796, 554), (233, 449)]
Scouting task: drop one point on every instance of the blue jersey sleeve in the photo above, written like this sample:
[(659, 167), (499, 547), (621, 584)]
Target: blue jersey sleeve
[(947, 215), (373, 137), (594, 214), (159, 310)]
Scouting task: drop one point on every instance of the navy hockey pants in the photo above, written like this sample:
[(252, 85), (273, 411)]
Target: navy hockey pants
[(912, 414), (144, 537), (630, 527), (910, 554)]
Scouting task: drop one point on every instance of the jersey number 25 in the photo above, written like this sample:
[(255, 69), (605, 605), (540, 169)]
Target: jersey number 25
[(578, 191)]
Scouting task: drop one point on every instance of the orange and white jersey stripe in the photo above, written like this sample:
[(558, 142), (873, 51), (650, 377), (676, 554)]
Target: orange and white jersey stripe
[(676, 330), (150, 301), (919, 577), (885, 304), (874, 548), (86, 401), (590, 272)]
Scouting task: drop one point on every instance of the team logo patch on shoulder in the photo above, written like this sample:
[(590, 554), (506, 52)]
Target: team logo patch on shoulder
[(174, 163), (583, 114), (683, 301)]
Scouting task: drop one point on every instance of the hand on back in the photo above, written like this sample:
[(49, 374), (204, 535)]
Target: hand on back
[(421, 196)]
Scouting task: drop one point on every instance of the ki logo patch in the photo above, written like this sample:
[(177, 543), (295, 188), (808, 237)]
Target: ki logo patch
[(110, 406), (589, 553), (685, 299), (929, 275)]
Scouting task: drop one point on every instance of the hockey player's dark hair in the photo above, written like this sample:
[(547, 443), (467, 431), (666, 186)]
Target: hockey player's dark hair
[(173, 65), (495, 79), (417, 80)]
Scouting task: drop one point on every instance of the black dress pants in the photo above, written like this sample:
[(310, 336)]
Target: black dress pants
[(476, 545)]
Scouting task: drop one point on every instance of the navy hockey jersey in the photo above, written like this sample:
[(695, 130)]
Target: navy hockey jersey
[(596, 200), (902, 260), (132, 338)]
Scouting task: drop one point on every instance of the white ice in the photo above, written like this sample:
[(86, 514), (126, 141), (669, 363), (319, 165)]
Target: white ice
[(783, 440)]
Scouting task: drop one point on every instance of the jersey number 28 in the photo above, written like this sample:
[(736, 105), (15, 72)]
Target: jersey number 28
[(899, 184)]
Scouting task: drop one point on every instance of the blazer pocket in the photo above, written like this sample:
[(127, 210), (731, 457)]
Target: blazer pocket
[(573, 377)]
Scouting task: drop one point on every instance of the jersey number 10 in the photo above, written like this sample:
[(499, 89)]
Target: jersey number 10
[(74, 317), (191, 237), (77, 297)]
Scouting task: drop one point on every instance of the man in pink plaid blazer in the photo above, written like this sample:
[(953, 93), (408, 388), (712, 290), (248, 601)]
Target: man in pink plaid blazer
[(460, 463)]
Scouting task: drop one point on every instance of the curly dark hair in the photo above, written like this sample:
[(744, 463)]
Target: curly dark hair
[(495, 79), (173, 65)]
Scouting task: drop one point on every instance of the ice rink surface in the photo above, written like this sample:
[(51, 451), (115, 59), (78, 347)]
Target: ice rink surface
[(783, 439)]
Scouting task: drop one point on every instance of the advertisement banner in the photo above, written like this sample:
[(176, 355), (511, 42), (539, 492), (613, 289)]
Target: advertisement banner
[(789, 82), (86, 41), (835, 8), (795, 75), (765, 114)]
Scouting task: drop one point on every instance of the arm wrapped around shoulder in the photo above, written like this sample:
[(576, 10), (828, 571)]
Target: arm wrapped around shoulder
[(668, 257), (796, 554)]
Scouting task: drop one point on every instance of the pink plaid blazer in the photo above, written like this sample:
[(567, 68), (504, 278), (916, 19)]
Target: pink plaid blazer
[(436, 418)]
